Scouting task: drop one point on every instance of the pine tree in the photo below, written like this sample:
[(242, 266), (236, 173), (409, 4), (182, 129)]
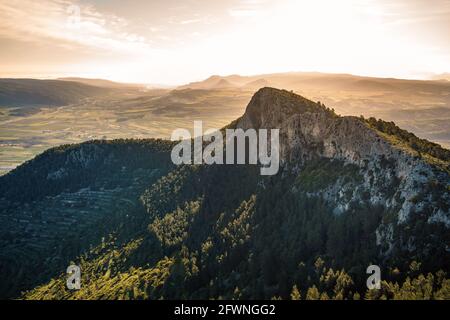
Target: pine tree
[(295, 294), (444, 292), (236, 294), (324, 296), (313, 293)]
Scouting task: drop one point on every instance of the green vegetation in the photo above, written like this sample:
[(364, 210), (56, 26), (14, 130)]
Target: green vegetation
[(63, 202), (173, 228), (108, 279), (422, 146), (247, 237), (320, 174), (59, 168)]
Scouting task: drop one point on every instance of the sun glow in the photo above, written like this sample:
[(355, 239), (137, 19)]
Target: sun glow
[(369, 37)]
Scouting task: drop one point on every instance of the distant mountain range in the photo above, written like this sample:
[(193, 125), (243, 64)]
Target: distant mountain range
[(351, 192), (71, 89), (315, 80), (101, 83)]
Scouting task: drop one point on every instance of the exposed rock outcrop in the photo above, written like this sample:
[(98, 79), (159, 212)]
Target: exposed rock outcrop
[(394, 177)]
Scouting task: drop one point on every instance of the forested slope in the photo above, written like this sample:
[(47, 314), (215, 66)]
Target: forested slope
[(346, 196)]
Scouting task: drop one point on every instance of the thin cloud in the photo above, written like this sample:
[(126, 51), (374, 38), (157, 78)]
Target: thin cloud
[(65, 21), (190, 21), (247, 8)]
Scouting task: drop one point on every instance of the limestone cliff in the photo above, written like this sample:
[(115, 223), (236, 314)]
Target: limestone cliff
[(396, 177)]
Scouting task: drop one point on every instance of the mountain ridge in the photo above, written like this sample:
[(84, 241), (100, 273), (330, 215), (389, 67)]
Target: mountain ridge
[(101, 82), (310, 131), (295, 80), (345, 194)]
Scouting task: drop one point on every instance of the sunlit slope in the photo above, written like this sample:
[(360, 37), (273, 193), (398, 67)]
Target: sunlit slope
[(351, 192)]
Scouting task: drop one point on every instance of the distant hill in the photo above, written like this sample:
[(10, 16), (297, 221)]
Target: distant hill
[(213, 82), (102, 82), (443, 76), (324, 81), (32, 92), (222, 84), (256, 84)]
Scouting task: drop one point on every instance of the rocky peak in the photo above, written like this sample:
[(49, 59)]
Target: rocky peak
[(393, 176), (270, 107), (309, 129)]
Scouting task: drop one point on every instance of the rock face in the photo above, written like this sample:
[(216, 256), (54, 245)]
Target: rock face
[(392, 176)]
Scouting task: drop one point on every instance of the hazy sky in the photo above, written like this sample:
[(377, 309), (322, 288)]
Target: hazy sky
[(173, 42)]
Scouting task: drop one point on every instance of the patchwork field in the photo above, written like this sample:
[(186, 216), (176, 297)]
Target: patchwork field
[(23, 135)]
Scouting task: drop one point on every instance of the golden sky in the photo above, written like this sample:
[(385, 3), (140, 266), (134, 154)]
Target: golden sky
[(175, 41)]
